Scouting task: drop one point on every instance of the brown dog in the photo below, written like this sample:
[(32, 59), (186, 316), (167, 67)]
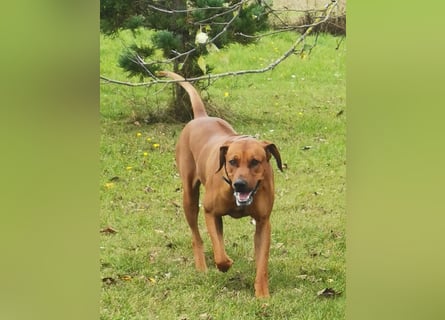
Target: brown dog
[(238, 181)]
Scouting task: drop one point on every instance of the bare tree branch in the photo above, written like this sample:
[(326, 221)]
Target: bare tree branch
[(286, 28), (234, 6), (233, 9), (292, 50)]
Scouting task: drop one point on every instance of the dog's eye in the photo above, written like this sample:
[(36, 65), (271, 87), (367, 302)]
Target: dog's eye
[(254, 163), (233, 162)]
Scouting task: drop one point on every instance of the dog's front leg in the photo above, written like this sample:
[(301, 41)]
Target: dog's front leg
[(215, 229), (262, 245)]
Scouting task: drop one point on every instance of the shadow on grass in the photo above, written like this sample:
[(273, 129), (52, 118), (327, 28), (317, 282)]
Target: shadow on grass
[(167, 115)]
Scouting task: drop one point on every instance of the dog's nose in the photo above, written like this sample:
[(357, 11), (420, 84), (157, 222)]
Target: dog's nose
[(240, 185)]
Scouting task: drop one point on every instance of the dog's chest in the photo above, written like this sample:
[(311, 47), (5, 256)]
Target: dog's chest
[(239, 212)]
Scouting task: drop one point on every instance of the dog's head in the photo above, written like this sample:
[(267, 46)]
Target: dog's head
[(246, 163)]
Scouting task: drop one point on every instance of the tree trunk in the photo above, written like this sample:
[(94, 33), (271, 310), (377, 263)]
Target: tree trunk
[(181, 107)]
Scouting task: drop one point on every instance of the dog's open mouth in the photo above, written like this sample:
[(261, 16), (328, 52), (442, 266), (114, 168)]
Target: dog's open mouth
[(243, 198), (243, 195)]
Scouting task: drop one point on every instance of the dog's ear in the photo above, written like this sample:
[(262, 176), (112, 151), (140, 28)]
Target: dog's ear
[(272, 149), (222, 155)]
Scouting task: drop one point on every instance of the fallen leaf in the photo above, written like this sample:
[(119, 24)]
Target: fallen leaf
[(108, 280), (126, 277), (205, 316), (328, 293), (314, 254), (170, 245), (152, 280), (109, 230), (177, 205), (336, 235), (279, 245)]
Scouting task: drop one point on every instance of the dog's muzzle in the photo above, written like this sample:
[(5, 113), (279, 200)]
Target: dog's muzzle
[(243, 196)]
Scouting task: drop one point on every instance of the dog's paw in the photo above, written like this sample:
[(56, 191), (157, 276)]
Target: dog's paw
[(262, 290), (262, 293), (225, 265)]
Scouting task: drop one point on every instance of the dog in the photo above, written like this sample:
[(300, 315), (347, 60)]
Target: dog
[(238, 179)]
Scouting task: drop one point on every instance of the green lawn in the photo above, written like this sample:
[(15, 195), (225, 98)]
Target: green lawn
[(147, 266)]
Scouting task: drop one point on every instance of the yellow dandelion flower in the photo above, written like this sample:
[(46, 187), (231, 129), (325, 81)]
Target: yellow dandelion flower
[(138, 134), (129, 168), (109, 185), (145, 154), (148, 139), (226, 94), (300, 114), (155, 145)]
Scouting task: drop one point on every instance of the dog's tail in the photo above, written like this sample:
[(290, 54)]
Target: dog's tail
[(195, 98)]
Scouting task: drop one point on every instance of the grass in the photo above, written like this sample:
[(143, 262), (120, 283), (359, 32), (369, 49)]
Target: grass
[(147, 266)]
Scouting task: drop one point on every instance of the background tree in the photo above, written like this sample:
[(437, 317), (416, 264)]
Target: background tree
[(185, 31)]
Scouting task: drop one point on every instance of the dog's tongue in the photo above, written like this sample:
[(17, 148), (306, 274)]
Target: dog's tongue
[(243, 196)]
